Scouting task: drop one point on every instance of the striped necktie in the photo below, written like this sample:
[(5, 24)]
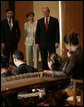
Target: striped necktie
[(10, 24)]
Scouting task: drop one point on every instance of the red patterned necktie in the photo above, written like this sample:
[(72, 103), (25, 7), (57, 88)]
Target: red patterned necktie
[(46, 24)]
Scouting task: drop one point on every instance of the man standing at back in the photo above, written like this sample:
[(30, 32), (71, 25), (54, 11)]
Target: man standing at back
[(10, 34), (47, 36)]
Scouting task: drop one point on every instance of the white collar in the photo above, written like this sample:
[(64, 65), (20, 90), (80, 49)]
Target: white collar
[(20, 63), (8, 19), (47, 18)]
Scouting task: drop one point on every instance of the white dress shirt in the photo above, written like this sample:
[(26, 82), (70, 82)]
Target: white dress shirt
[(47, 18), (11, 24)]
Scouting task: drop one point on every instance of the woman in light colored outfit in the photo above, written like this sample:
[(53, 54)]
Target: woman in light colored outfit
[(29, 32)]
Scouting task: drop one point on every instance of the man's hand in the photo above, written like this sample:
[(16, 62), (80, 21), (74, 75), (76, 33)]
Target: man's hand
[(2, 45), (56, 45), (37, 46)]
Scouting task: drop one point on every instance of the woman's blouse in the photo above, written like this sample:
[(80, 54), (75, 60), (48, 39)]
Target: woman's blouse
[(29, 32)]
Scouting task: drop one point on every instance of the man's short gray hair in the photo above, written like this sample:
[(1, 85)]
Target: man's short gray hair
[(46, 8)]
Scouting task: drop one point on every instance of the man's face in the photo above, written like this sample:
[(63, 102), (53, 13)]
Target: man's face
[(9, 14), (45, 12)]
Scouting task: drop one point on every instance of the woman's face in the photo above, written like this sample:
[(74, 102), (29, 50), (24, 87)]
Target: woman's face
[(68, 46), (31, 18)]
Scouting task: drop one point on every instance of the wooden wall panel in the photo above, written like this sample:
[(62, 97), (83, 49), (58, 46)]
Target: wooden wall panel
[(21, 8), (74, 19), (4, 6)]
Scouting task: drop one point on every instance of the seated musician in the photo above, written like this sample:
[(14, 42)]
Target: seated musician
[(21, 66), (6, 71), (74, 64)]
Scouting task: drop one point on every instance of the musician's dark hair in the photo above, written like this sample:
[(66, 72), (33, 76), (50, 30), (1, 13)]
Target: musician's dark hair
[(4, 62), (71, 38), (9, 10), (29, 14), (56, 61), (18, 55)]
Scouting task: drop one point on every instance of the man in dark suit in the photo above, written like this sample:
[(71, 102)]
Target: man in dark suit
[(10, 34), (47, 36)]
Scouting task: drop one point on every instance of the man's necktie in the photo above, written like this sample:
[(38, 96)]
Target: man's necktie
[(10, 24), (46, 24)]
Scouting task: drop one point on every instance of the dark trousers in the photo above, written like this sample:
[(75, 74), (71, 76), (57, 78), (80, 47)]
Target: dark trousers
[(9, 50), (11, 100), (44, 56)]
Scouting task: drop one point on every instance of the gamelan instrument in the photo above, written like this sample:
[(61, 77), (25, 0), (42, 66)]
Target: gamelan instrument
[(28, 81)]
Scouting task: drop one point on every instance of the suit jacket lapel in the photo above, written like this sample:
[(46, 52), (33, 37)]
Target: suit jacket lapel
[(50, 21), (43, 24), (13, 23), (6, 21)]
